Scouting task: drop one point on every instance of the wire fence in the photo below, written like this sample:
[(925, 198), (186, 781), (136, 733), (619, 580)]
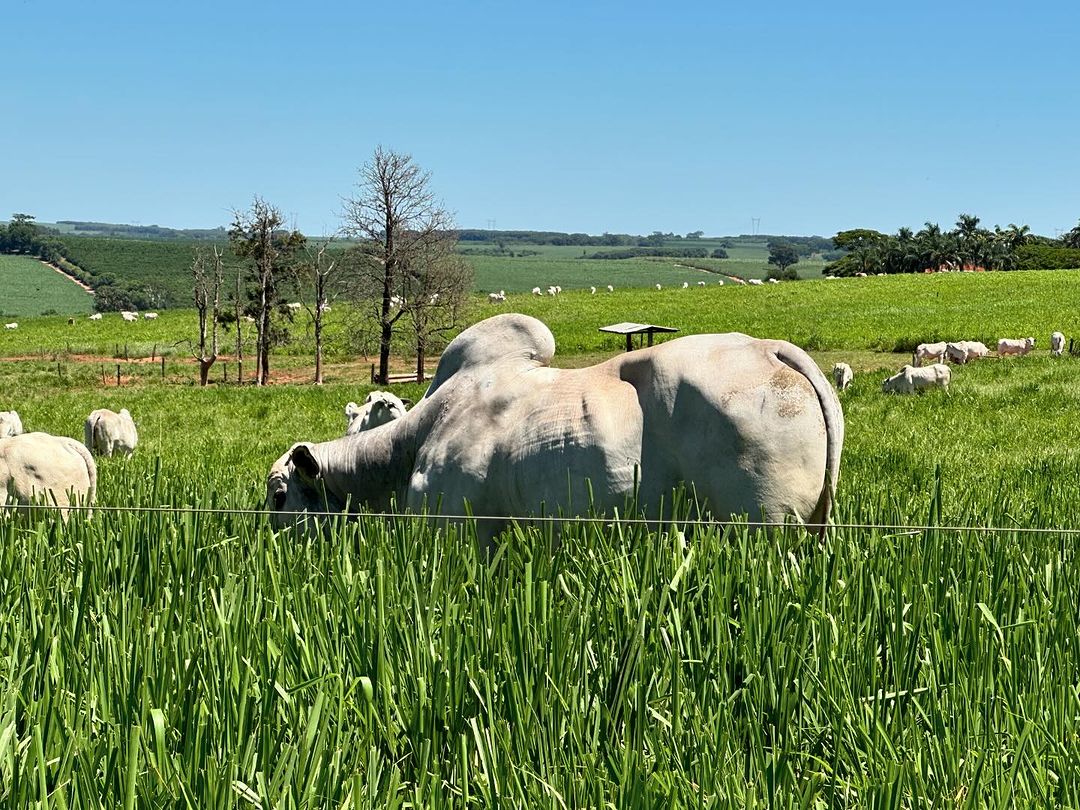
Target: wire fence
[(900, 528)]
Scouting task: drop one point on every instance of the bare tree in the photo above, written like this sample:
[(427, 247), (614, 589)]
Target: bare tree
[(397, 218), (319, 273), (238, 312), (208, 272), (437, 288), (256, 235)]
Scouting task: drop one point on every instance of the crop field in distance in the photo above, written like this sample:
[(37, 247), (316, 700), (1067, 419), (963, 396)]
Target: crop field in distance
[(201, 659), (32, 288)]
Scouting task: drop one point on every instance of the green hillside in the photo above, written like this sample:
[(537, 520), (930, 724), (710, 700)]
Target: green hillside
[(32, 288)]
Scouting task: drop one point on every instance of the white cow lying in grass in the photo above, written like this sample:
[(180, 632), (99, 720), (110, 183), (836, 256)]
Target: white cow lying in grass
[(1057, 344), (495, 298), (1018, 346), (107, 432), (379, 408), (842, 375), (96, 316), (10, 424), (910, 379), (929, 351), (501, 433), (129, 316), (37, 467), (963, 351), (149, 316), (11, 326)]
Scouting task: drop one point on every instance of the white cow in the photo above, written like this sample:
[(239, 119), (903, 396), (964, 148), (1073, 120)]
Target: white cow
[(379, 408), (842, 375), (107, 432), (496, 297), (501, 433), (11, 326), (293, 306), (592, 290), (129, 316), (1018, 346), (38, 467), (10, 424), (720, 282), (537, 291), (910, 379), (553, 290), (963, 351), (774, 281), (610, 288), (149, 316), (1057, 344), (686, 285), (659, 287), (757, 282), (96, 316), (929, 351)]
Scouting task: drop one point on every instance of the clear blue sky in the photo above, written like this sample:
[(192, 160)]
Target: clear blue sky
[(625, 117)]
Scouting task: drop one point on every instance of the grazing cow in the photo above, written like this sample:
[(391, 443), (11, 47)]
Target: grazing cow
[(293, 306), (1057, 344), (553, 290), (38, 467), (659, 287), (860, 275), (701, 283), (842, 375), (592, 290), (11, 326), (610, 288), (379, 408), (774, 281), (129, 316), (831, 278), (249, 319), (963, 351), (149, 316), (929, 351), (10, 424), (537, 291), (720, 281), (501, 433), (496, 297), (910, 379), (107, 432), (686, 285), (71, 321), (96, 316), (757, 282), (397, 302), (1018, 346)]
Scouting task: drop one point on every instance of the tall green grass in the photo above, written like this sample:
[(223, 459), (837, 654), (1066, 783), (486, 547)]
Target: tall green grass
[(202, 660)]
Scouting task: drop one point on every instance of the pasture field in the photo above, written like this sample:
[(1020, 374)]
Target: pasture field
[(882, 314), (31, 288), (201, 659)]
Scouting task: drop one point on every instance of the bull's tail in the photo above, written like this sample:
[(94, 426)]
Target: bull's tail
[(89, 429), (795, 358)]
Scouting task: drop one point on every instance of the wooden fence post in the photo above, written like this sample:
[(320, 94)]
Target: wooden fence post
[(163, 367), (117, 375)]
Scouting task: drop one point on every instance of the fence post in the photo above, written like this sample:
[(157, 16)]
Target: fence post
[(224, 372), (125, 352), (153, 353), (58, 373), (103, 380), (117, 375), (163, 367)]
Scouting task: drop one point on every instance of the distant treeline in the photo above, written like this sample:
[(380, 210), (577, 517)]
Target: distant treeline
[(668, 252), (547, 238), (146, 231)]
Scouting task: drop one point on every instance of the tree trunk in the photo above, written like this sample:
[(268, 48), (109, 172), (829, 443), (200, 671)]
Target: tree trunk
[(318, 348), (420, 347), (204, 369)]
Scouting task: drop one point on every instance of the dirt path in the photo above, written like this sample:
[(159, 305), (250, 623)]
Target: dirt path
[(68, 276)]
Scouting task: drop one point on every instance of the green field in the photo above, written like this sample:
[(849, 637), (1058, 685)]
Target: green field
[(202, 660), (31, 288)]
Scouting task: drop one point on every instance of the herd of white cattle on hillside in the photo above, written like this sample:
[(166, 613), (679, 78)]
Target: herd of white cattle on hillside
[(500, 433)]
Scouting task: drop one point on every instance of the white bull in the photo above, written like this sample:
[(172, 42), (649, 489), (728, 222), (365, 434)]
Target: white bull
[(910, 379), (963, 351), (842, 376), (10, 424), (929, 351), (1057, 344), (40, 468), (751, 426), (379, 408), (1017, 346), (107, 432)]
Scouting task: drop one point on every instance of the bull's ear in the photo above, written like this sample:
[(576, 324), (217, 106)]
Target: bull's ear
[(304, 462)]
